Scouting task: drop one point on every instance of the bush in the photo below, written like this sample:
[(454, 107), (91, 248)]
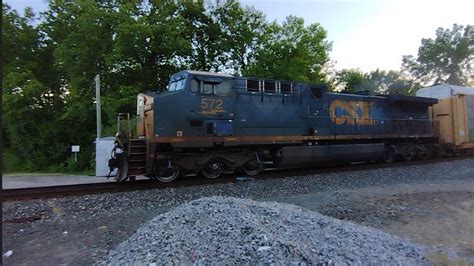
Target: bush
[(12, 163)]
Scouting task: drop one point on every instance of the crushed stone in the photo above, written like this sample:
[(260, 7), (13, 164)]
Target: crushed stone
[(231, 230)]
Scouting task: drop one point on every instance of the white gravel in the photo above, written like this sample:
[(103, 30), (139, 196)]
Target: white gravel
[(234, 231)]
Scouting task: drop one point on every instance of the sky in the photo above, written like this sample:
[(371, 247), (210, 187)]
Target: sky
[(365, 34)]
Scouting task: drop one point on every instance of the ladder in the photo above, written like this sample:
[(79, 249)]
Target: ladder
[(137, 157), (136, 148)]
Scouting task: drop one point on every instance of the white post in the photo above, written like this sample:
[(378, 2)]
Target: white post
[(97, 100)]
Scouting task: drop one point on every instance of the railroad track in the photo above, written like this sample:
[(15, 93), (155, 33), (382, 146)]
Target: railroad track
[(112, 187)]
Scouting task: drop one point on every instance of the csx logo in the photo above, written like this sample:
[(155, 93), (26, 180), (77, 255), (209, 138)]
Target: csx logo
[(351, 112)]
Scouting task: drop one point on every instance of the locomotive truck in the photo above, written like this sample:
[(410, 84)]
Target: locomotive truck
[(212, 123)]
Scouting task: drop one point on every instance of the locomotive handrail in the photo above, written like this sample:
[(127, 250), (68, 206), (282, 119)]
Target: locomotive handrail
[(402, 126)]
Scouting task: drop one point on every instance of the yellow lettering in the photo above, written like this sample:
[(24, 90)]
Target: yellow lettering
[(219, 104), (204, 104), (211, 106), (349, 112)]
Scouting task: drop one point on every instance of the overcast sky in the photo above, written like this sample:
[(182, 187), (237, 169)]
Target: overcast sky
[(366, 34)]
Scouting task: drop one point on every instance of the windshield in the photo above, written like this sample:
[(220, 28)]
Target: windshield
[(176, 85)]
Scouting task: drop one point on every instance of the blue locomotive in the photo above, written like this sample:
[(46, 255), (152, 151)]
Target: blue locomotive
[(216, 123)]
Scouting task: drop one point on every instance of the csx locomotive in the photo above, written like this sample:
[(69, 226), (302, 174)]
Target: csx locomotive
[(212, 123)]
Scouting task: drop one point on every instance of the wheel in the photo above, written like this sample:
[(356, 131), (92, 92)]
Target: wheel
[(213, 169), (390, 155), (167, 174), (408, 153), (423, 153), (252, 167)]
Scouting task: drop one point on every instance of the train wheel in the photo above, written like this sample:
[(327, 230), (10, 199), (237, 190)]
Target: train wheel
[(167, 174), (252, 168), (213, 169), (423, 153), (390, 155), (408, 153)]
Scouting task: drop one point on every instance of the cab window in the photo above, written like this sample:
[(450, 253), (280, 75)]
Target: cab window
[(176, 84), (223, 88), (194, 85), (207, 87)]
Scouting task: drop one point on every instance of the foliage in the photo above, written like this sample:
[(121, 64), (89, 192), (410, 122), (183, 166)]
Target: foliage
[(33, 96), (391, 82), (444, 59), (50, 62), (135, 46), (350, 81), (240, 35), (291, 51), (375, 83)]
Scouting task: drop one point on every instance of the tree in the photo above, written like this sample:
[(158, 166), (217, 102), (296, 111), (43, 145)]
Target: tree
[(222, 35), (444, 59), (205, 36), (135, 46), (291, 51), (241, 34), (375, 83), (351, 81), (32, 93), (391, 82), (81, 36)]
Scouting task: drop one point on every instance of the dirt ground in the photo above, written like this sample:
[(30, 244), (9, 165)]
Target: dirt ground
[(438, 214)]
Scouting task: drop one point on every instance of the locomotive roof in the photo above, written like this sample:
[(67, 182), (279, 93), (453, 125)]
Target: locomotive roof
[(205, 73), (443, 91)]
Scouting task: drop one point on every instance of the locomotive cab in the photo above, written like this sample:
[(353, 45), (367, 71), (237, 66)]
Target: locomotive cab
[(197, 104)]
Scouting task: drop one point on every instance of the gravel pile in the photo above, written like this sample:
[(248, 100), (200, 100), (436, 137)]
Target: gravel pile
[(231, 230)]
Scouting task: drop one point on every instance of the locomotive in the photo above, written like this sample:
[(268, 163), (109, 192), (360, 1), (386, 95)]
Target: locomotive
[(213, 123)]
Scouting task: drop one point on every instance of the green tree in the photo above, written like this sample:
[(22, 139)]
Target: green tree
[(375, 83), (351, 81), (81, 35), (241, 34), (391, 82), (204, 35), (291, 51), (222, 34), (32, 92), (149, 45), (444, 59), (50, 63)]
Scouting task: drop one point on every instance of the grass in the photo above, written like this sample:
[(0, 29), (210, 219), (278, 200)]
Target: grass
[(13, 166), (442, 259), (21, 174)]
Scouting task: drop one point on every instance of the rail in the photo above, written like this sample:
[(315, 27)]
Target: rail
[(112, 187)]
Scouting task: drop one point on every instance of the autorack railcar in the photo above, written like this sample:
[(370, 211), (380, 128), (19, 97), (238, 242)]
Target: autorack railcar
[(213, 123)]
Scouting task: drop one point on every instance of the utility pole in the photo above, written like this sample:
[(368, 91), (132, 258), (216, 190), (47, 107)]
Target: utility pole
[(97, 101)]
